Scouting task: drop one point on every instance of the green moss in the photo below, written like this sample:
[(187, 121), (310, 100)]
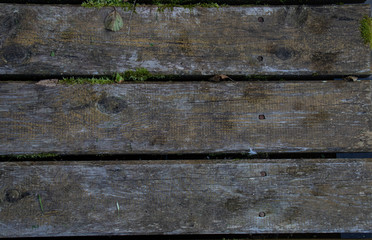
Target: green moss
[(141, 74), (163, 7), (138, 75), (170, 6), (101, 80), (366, 30), (108, 3), (205, 5), (31, 156), (161, 4)]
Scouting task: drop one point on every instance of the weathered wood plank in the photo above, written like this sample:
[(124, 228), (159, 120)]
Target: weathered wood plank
[(283, 40), (188, 117), (188, 2), (186, 197), (233, 2)]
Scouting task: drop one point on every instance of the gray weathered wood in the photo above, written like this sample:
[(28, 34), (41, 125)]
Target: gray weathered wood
[(291, 40), (185, 197), (188, 117), (188, 2)]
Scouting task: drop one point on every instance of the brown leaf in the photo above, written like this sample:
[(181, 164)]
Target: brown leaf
[(217, 78), (351, 78), (48, 82)]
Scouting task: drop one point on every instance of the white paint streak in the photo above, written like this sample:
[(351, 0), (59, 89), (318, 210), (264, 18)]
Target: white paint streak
[(154, 65), (112, 195), (252, 152), (254, 11), (275, 70)]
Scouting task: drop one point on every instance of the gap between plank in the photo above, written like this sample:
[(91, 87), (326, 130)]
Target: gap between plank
[(175, 157)]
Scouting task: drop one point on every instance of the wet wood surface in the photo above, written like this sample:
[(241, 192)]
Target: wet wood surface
[(185, 197), (187, 117), (282, 40)]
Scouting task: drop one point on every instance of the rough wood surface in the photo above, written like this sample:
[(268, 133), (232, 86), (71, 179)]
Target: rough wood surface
[(186, 2), (188, 117), (185, 197), (235, 2), (283, 40)]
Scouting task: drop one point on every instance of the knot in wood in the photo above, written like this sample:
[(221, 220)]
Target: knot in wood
[(15, 54), (111, 105), (12, 195)]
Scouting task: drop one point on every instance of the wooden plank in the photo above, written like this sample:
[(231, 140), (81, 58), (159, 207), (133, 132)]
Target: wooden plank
[(283, 40), (188, 2), (185, 197), (242, 2), (188, 117)]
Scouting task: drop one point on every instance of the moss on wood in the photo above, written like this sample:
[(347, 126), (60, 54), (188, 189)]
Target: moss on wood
[(366, 30), (108, 3), (161, 4), (81, 80), (30, 156), (213, 3), (138, 75)]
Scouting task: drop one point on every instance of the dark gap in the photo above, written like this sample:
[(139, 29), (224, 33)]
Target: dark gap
[(222, 236), (192, 78), (354, 155), (191, 2), (187, 156)]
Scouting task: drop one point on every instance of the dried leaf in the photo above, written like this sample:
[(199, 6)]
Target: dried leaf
[(224, 77), (48, 82), (217, 78), (113, 21), (351, 78)]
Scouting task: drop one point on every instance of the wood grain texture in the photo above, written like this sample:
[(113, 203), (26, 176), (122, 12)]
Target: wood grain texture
[(188, 117), (242, 2), (291, 40), (186, 2), (185, 197)]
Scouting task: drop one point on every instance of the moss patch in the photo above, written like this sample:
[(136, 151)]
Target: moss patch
[(108, 3), (138, 75), (366, 30), (78, 80), (161, 4), (31, 156), (141, 74)]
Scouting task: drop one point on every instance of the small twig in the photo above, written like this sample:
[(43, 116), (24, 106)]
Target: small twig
[(41, 205), (130, 17)]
